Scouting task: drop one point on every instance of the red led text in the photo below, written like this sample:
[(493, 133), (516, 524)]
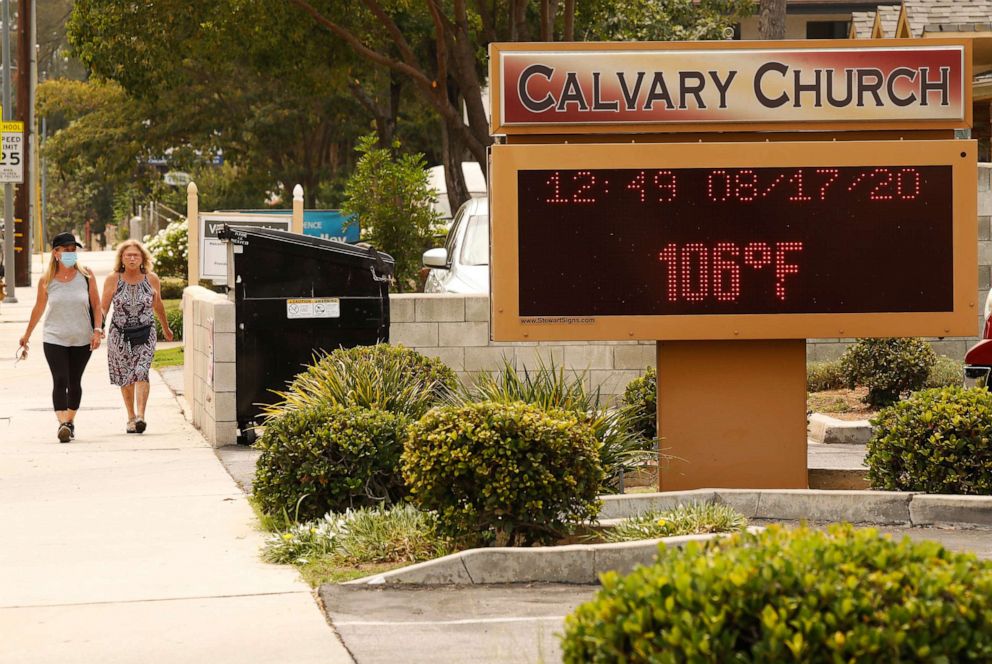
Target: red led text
[(698, 272)]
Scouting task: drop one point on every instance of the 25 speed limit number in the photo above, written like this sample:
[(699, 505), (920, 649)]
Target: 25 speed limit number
[(11, 161)]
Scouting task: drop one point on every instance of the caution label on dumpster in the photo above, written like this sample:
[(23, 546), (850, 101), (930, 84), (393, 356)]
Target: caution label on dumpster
[(324, 307)]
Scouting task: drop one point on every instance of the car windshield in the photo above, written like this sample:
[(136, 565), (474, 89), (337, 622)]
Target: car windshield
[(475, 248)]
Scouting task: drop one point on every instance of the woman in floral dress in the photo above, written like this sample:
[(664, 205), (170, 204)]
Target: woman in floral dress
[(136, 295)]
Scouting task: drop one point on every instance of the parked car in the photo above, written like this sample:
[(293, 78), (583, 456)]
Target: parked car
[(978, 360), (462, 264)]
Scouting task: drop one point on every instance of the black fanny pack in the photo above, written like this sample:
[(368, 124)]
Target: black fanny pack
[(136, 336)]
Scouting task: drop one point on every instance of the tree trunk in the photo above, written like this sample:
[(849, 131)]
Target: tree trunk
[(568, 32), (771, 19), (453, 151)]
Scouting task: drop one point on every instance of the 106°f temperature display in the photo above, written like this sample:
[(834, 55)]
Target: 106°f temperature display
[(735, 240)]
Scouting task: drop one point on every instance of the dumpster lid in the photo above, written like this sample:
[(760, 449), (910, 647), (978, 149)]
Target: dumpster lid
[(383, 261)]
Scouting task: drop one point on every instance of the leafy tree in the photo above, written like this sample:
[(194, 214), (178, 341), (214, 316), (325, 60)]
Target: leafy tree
[(389, 193), (245, 77), (448, 73)]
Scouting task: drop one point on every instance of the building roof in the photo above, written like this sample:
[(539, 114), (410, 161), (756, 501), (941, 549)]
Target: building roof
[(863, 22), (930, 16)]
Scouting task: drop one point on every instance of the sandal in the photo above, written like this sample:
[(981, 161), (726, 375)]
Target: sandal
[(139, 424), (131, 428)]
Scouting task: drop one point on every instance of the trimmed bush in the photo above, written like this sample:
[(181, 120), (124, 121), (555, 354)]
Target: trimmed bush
[(936, 441), (507, 473), (887, 367), (328, 458), (384, 377), (641, 401), (946, 372), (822, 376), (172, 287), (622, 447), (845, 595)]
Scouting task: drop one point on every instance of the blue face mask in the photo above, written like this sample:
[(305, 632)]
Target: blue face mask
[(68, 258)]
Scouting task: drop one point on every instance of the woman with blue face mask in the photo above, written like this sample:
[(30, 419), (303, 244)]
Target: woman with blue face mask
[(72, 328)]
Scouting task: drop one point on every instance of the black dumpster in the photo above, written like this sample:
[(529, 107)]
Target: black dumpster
[(294, 295)]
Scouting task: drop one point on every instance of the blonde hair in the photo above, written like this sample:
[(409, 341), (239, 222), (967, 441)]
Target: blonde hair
[(146, 258), (53, 267)]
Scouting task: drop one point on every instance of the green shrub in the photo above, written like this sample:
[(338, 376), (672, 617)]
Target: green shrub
[(622, 449), (887, 367), (170, 249), (328, 458), (510, 470), (641, 401), (691, 519), (392, 378), (822, 376), (174, 314), (946, 372), (936, 441), (845, 595), (172, 287)]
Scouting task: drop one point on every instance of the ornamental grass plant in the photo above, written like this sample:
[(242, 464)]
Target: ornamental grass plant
[(689, 519), (382, 377)]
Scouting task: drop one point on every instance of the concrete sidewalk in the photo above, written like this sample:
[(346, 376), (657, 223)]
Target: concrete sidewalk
[(126, 548)]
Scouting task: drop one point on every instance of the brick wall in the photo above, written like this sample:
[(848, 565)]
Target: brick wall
[(455, 329)]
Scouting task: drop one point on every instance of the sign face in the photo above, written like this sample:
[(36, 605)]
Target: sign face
[(12, 152), (213, 252), (711, 241), (645, 87), (325, 307)]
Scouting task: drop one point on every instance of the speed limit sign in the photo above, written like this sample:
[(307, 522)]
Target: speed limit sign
[(12, 153)]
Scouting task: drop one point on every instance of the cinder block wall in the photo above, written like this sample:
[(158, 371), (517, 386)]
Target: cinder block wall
[(455, 329), (955, 347), (208, 371)]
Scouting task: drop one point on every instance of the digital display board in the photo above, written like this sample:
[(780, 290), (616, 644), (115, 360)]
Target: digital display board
[(824, 239), (761, 240)]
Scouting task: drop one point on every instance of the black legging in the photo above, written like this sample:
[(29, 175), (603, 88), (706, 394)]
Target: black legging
[(67, 364)]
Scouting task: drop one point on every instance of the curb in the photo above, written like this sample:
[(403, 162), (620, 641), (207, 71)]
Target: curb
[(829, 430), (583, 563), (575, 564)]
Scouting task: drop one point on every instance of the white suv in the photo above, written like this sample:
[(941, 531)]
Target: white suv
[(462, 265)]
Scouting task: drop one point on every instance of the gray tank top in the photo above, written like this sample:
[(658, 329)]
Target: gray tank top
[(68, 320)]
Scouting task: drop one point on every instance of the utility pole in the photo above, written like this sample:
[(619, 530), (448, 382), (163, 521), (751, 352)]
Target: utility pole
[(22, 200), (10, 260)]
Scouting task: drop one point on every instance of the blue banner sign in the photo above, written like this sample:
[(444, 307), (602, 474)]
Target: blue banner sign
[(325, 224)]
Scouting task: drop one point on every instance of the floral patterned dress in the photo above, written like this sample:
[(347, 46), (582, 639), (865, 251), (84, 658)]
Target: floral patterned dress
[(132, 308)]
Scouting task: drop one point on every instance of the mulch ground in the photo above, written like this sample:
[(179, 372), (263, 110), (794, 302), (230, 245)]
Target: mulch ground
[(841, 404)]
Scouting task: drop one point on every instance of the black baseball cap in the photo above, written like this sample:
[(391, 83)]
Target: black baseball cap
[(64, 240)]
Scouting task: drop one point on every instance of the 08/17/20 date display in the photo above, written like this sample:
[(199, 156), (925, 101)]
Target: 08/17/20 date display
[(634, 242)]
